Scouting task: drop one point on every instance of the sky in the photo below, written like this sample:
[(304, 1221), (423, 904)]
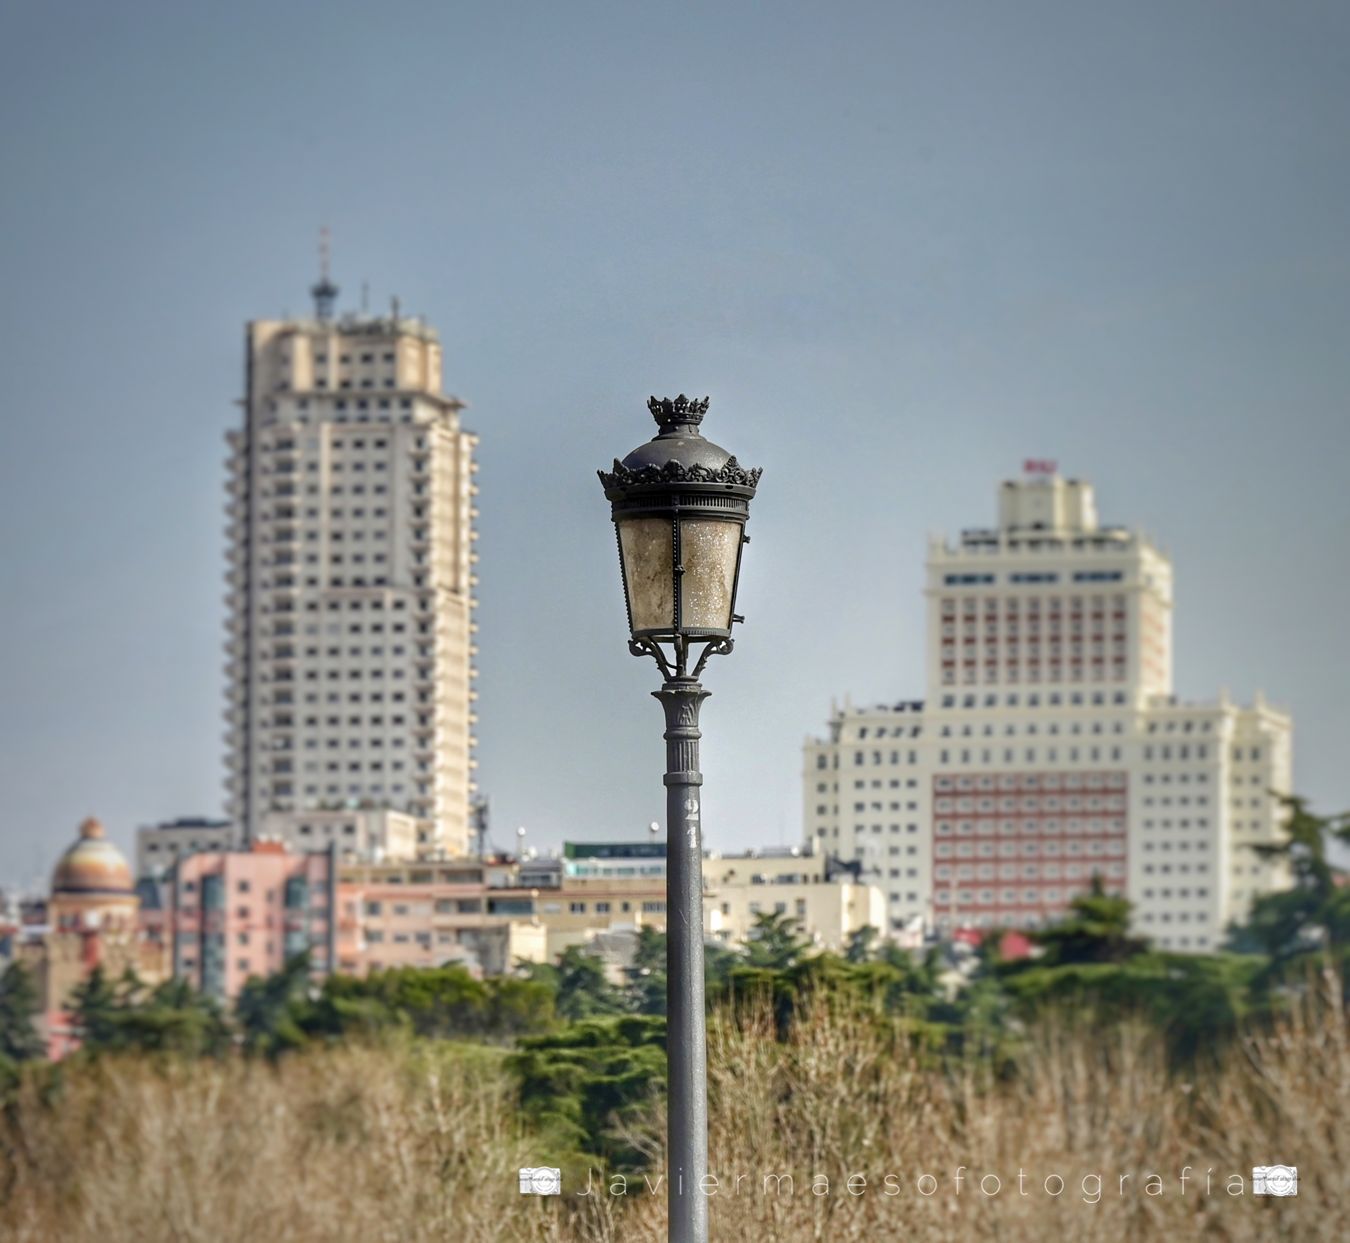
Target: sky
[(903, 247)]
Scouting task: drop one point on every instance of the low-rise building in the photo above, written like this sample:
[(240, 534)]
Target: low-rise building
[(584, 907), (431, 913), (830, 904), (613, 860), (355, 832), (159, 846)]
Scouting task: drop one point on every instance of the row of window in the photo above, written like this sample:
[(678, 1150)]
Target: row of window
[(1072, 755), (946, 872), (442, 906), (1028, 849), (1051, 606), (1096, 672), (285, 651), (1057, 827), (1049, 802), (1005, 897), (1079, 576), (1054, 699)]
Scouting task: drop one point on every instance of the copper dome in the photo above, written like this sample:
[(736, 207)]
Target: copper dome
[(93, 865)]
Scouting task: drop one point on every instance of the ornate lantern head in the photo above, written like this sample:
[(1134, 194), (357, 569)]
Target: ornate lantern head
[(680, 504)]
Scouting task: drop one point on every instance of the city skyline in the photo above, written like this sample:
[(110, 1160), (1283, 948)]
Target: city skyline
[(977, 238)]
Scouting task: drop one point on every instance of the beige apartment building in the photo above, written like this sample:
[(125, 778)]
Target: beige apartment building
[(351, 579), (829, 905), (428, 914)]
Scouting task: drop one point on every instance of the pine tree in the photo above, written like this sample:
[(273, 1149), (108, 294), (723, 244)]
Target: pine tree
[(775, 942), (1097, 929), (1316, 909), (95, 1007), (20, 1006), (647, 975)]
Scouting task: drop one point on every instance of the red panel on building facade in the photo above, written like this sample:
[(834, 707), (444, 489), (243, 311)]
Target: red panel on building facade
[(1012, 849)]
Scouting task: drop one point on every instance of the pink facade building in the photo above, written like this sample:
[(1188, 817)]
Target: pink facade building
[(238, 914)]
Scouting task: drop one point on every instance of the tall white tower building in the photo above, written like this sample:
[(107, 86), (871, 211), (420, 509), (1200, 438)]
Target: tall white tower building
[(351, 530), (1050, 747)]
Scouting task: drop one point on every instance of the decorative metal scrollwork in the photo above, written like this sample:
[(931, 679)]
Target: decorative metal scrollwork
[(731, 471)]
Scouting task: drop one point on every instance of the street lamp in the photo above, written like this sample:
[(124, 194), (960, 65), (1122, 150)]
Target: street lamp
[(679, 505)]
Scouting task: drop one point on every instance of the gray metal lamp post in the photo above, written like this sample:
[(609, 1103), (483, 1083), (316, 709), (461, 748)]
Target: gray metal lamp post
[(679, 505)]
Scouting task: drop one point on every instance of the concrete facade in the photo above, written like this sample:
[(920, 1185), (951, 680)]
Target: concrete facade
[(351, 533)]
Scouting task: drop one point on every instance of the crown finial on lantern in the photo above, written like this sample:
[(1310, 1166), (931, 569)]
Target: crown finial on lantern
[(681, 411)]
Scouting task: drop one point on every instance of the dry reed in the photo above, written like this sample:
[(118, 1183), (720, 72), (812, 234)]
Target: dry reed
[(419, 1143)]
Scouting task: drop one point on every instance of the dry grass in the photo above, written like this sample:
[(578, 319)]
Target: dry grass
[(414, 1145), (398, 1146)]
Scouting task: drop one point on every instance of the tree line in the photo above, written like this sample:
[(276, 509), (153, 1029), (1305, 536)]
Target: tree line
[(587, 1047)]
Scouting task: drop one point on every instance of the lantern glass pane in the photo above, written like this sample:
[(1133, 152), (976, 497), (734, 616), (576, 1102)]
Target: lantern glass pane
[(708, 551), (649, 571)]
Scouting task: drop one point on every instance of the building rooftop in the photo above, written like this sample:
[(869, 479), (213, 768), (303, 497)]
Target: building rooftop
[(354, 324), (192, 822)]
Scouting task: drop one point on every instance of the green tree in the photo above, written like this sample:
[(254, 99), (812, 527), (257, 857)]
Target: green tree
[(435, 1001), (95, 1006), (587, 1088), (270, 1011), (862, 944), (173, 1017), (20, 1006), (775, 941), (910, 983), (646, 986), (1097, 929), (517, 1007), (1315, 911), (584, 990), (719, 961)]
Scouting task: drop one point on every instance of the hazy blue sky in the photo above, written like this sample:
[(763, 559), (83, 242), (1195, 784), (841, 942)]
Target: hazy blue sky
[(903, 246)]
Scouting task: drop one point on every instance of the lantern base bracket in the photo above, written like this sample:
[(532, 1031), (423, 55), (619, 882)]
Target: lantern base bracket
[(681, 645)]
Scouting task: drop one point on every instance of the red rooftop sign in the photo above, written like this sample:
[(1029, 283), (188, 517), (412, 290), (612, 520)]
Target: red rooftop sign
[(1040, 466)]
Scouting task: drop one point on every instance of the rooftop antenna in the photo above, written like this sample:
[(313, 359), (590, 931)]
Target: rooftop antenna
[(479, 815), (325, 292), (393, 304)]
